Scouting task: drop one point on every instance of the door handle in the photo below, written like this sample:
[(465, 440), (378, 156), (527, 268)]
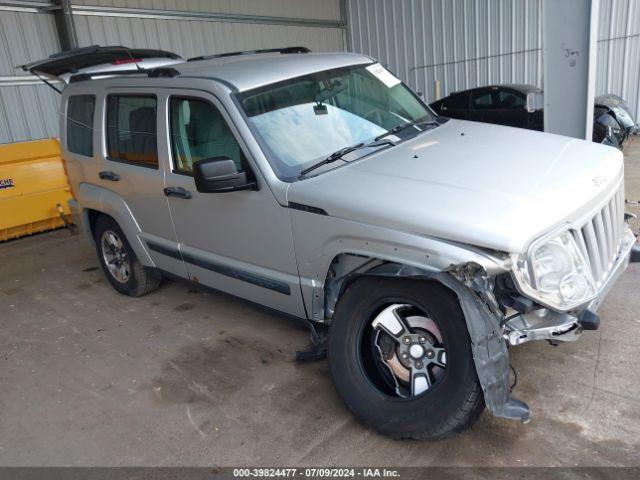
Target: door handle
[(178, 192), (111, 176)]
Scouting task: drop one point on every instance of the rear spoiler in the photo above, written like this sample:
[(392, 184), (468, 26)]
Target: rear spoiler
[(94, 59)]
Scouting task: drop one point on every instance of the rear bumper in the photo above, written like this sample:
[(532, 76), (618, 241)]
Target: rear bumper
[(80, 219), (75, 212)]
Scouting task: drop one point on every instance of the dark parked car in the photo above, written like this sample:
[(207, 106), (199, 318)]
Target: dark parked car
[(521, 106)]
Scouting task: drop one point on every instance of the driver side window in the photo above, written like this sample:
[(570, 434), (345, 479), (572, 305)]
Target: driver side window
[(199, 132)]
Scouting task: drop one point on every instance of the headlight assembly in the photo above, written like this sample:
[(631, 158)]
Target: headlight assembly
[(555, 273)]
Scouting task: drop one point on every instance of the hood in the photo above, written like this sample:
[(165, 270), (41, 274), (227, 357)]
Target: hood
[(485, 185)]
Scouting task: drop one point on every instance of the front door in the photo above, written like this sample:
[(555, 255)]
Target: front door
[(237, 242), (456, 106)]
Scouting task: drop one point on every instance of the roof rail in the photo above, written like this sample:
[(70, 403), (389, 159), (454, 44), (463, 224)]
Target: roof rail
[(285, 50), (159, 72)]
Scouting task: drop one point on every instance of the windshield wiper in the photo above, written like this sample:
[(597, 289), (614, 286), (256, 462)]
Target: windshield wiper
[(338, 154), (405, 125)]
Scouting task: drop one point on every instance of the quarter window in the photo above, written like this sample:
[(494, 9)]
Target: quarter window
[(80, 110), (199, 132), (131, 129), (510, 101)]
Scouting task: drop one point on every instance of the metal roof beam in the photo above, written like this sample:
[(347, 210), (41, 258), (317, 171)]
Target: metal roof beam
[(104, 11)]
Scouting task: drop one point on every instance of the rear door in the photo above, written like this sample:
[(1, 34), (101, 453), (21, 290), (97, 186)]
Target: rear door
[(511, 108), (130, 167), (483, 106), (237, 242)]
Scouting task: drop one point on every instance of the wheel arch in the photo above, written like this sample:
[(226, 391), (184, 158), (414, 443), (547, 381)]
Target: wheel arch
[(96, 201), (369, 257), (468, 283)]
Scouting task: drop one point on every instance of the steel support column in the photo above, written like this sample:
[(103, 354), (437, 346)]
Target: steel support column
[(65, 25), (570, 29)]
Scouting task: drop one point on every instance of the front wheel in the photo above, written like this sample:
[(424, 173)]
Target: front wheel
[(400, 357)]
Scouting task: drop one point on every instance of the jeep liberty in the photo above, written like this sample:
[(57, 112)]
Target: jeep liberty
[(321, 186)]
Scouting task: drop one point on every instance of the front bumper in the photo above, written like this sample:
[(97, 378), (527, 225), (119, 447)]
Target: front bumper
[(545, 324)]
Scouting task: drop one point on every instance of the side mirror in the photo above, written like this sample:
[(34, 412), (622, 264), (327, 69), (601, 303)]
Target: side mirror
[(219, 175)]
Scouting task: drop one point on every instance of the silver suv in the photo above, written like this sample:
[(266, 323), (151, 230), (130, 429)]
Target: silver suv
[(319, 185)]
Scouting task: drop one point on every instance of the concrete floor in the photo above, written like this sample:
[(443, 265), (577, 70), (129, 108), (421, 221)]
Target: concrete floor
[(182, 377)]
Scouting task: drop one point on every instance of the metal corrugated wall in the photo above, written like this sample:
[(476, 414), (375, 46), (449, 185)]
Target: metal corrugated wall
[(28, 109), (191, 38), (469, 43), (461, 43)]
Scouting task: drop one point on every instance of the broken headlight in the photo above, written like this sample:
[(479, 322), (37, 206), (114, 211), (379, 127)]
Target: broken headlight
[(555, 273)]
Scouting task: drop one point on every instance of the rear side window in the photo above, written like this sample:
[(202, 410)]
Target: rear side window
[(483, 100), (510, 101), (80, 110), (200, 132), (131, 129)]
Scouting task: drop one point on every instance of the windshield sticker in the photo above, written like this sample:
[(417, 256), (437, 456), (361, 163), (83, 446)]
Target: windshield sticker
[(6, 183), (384, 75)]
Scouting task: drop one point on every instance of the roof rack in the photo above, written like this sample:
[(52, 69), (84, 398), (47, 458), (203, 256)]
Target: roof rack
[(158, 72), (285, 50)]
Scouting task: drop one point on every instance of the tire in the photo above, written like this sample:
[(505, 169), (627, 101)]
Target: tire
[(454, 400), (139, 279)]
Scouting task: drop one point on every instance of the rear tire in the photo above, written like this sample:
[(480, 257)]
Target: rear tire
[(452, 401), (120, 263)]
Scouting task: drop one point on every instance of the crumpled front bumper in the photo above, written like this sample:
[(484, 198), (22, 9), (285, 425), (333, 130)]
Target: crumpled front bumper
[(547, 324)]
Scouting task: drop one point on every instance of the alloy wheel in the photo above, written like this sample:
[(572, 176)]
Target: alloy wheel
[(403, 352), (114, 254)]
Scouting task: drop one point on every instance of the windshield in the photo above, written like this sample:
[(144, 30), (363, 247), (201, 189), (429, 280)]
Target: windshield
[(303, 120)]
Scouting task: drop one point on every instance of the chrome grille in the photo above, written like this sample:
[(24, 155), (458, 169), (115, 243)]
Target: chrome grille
[(599, 239)]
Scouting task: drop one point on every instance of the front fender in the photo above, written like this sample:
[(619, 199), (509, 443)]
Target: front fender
[(319, 239), (317, 244)]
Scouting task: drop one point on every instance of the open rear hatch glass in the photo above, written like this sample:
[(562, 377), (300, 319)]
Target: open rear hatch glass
[(97, 59)]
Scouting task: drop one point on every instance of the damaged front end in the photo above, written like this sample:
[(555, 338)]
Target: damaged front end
[(485, 321), (497, 311), (499, 315), (483, 313)]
